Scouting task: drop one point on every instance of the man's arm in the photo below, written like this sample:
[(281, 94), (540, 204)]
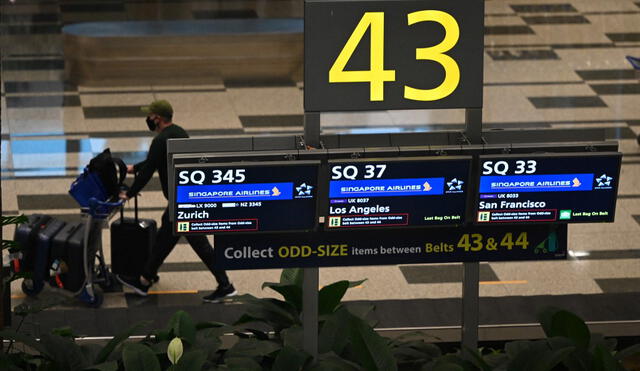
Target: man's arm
[(139, 165), (145, 169)]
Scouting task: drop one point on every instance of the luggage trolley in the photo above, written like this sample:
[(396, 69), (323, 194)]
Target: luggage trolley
[(96, 209), (96, 217)]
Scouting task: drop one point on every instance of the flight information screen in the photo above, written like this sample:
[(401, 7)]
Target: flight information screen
[(397, 193), (577, 188), (246, 197)]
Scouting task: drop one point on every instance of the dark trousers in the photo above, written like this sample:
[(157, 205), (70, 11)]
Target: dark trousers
[(166, 241)]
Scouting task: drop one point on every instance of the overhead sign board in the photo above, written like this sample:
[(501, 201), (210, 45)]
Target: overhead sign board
[(403, 193), (404, 54), (567, 188), (384, 247), (246, 197)]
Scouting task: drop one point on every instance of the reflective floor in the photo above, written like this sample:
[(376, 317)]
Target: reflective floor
[(547, 64)]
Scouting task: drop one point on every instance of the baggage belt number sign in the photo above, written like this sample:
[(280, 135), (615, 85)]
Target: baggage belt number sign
[(396, 54), (578, 188), (390, 247), (375, 194), (245, 197)]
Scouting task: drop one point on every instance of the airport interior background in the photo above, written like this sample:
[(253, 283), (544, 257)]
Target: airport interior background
[(551, 64)]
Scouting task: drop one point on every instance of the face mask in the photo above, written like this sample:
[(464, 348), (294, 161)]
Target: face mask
[(151, 124)]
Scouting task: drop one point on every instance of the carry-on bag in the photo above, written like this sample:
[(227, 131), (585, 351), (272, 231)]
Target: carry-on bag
[(100, 180), (67, 269), (131, 242), (24, 235), (36, 237)]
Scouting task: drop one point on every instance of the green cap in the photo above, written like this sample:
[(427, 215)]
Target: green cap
[(159, 107)]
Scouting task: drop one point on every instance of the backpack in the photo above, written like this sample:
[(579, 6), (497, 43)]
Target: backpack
[(111, 171)]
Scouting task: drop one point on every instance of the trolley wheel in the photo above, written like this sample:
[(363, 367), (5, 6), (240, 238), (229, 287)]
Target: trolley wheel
[(30, 288), (98, 299)]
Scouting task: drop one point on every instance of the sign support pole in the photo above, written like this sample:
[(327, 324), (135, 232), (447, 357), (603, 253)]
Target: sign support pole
[(471, 271), (311, 276)]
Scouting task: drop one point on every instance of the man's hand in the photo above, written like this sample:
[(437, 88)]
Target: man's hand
[(123, 196), (130, 169)]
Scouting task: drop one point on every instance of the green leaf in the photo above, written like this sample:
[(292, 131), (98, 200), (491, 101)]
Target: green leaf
[(370, 349), (361, 310), (106, 366), (191, 361), (453, 362), (331, 362), (252, 348), (26, 340), (12, 246), (116, 340), (604, 361), (334, 332), (14, 219), (292, 276), (446, 366), (539, 357), (628, 352), (409, 337), (293, 337), (292, 294), (277, 313), (477, 360), (211, 324), (64, 332), (330, 296), (514, 348), (289, 359), (353, 284), (242, 364), (414, 350), (559, 322), (183, 327), (138, 357), (64, 352), (210, 344)]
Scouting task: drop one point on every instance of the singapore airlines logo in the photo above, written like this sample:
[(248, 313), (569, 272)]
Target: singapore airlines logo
[(276, 192), (427, 187), (576, 182)]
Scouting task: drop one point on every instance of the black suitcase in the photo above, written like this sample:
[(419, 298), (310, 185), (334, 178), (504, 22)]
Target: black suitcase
[(67, 268), (131, 242), (35, 238)]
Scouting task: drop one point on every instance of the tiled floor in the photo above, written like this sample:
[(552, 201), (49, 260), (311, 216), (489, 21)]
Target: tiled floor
[(548, 64)]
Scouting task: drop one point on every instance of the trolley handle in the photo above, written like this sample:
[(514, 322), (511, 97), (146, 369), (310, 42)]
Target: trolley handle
[(96, 207)]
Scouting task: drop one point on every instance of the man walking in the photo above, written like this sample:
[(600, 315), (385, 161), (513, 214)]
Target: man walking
[(159, 119)]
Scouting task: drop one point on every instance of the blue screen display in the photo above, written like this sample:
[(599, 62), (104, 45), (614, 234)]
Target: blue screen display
[(551, 188), (397, 193)]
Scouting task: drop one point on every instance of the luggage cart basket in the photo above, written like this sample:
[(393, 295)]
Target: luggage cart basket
[(96, 216)]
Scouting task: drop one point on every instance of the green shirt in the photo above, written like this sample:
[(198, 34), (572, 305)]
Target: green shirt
[(156, 160)]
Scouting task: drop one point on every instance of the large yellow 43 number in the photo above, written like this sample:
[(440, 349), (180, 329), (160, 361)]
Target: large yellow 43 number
[(376, 76)]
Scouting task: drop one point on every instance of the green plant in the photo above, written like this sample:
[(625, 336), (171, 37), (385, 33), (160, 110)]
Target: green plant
[(13, 248), (269, 337), (569, 345), (59, 351), (346, 339)]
